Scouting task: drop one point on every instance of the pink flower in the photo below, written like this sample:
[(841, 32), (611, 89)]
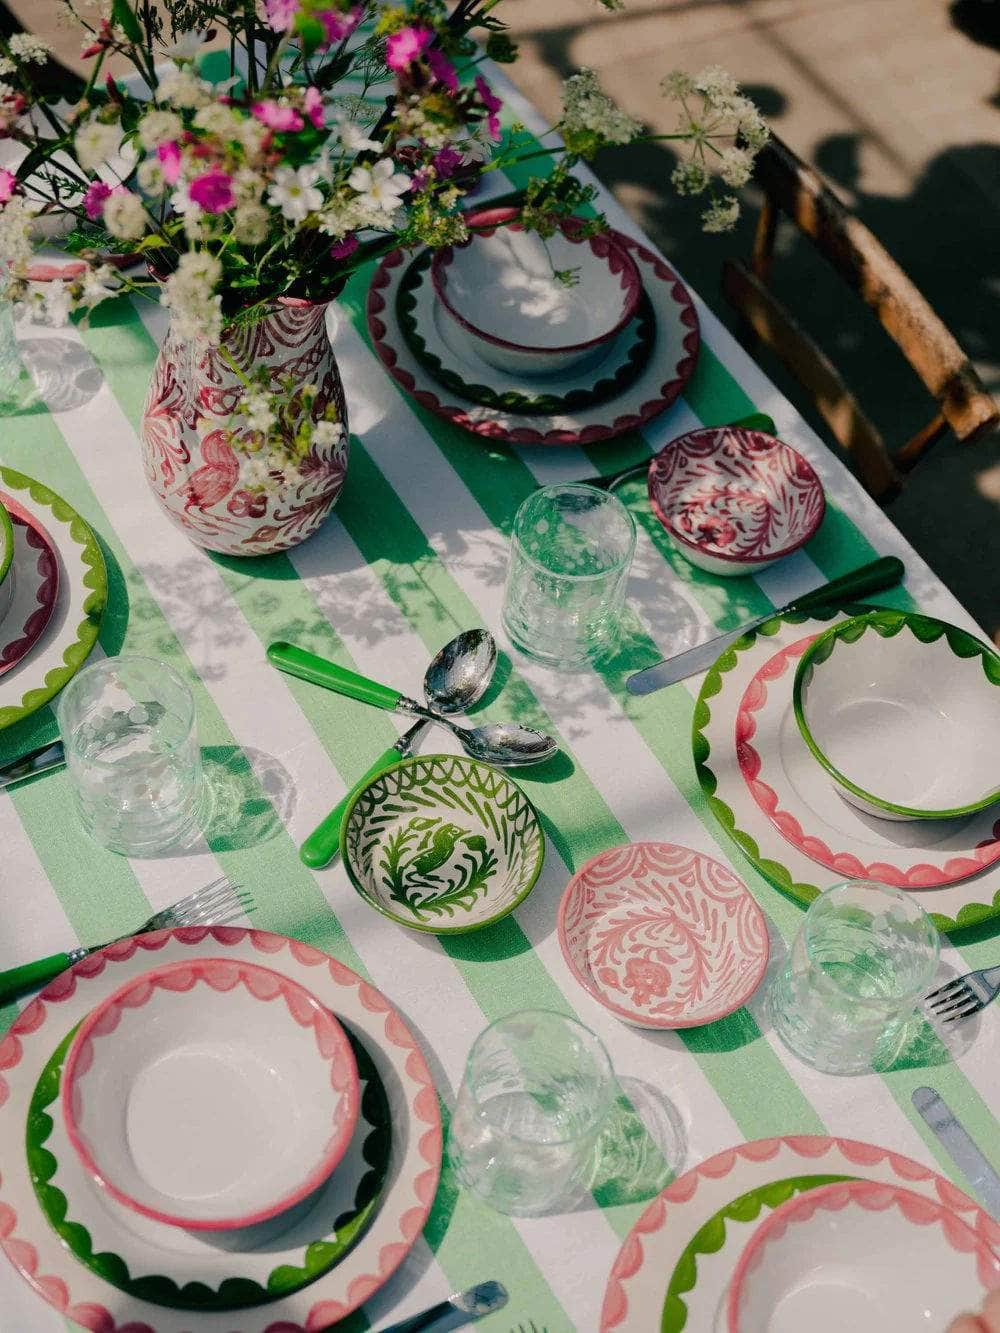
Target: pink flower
[(281, 13), (492, 103), (447, 161), (93, 200), (313, 106), (344, 247), (277, 117), (340, 26), (442, 69), (407, 45), (212, 191), (646, 979), (170, 160), (7, 183)]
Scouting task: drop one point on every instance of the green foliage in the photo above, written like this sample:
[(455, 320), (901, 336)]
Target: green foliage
[(123, 15)]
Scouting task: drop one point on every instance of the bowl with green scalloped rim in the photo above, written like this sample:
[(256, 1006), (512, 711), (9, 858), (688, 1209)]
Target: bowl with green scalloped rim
[(442, 843), (6, 561), (903, 712)]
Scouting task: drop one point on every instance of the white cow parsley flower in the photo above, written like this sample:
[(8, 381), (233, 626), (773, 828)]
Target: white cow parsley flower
[(587, 107), (326, 434), (24, 46), (721, 214), (124, 215), (352, 137), (95, 142), (195, 306), (736, 166), (158, 127)]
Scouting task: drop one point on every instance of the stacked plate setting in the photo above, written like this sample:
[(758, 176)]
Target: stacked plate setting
[(218, 1120), (569, 341)]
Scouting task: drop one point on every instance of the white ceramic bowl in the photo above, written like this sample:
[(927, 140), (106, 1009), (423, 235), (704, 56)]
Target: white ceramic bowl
[(733, 500), (859, 1256), (500, 289), (210, 1094), (902, 711), (6, 561)]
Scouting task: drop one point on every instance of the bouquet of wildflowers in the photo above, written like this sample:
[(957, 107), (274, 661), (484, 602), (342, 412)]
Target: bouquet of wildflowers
[(337, 130)]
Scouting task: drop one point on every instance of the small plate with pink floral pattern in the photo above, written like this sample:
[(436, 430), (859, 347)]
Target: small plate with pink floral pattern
[(663, 936), (735, 500)]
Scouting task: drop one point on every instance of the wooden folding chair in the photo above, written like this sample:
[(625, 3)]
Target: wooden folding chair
[(794, 189)]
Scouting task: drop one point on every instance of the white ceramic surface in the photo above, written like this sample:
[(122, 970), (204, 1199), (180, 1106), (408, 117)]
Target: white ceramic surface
[(900, 723), (501, 290), (859, 1256), (210, 1094)]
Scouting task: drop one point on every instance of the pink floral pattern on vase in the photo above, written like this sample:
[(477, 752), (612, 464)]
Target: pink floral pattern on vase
[(663, 936), (735, 494), (188, 432)]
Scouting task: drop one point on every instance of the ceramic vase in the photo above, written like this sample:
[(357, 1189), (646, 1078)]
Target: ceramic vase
[(223, 496)]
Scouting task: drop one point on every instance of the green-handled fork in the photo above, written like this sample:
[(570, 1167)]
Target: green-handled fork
[(215, 905)]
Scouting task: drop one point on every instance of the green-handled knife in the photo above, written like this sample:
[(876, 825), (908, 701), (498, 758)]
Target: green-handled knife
[(853, 587)]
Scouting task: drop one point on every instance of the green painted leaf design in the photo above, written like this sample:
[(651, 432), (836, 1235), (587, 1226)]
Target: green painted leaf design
[(95, 578), (232, 1293), (710, 1238), (602, 391)]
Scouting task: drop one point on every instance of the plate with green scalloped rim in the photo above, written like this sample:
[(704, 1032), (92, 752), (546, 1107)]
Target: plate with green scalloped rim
[(71, 633), (675, 1264), (951, 907), (429, 334), (185, 1270)]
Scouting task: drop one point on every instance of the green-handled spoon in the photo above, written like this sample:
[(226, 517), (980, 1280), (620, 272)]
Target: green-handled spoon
[(503, 743), (457, 678)]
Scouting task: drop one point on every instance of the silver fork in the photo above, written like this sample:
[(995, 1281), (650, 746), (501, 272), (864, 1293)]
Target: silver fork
[(215, 905), (966, 995)]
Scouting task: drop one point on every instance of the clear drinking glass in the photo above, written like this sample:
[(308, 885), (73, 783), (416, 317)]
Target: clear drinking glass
[(569, 562), (536, 1090), (128, 725), (861, 961)]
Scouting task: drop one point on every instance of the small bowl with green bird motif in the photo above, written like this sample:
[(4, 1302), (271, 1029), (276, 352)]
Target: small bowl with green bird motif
[(442, 843)]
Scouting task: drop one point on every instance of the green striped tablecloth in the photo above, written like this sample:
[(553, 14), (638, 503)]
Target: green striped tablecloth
[(416, 550)]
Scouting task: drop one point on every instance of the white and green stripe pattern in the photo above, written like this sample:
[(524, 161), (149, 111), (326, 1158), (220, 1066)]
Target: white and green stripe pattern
[(415, 551)]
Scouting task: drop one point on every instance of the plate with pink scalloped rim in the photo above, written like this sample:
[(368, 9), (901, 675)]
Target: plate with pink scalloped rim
[(675, 1266), (662, 380), (35, 570), (795, 794), (663, 936), (79, 1294)]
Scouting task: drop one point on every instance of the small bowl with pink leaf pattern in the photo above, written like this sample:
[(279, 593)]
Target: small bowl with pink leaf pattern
[(211, 1094), (663, 936), (734, 500)]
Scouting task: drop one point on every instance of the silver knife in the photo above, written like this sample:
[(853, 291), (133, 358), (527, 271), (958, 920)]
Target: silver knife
[(853, 587), (37, 761), (960, 1148), (464, 1308)]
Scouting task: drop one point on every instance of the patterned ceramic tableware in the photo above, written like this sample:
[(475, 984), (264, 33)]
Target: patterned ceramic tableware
[(76, 1289), (895, 707), (7, 572), (663, 936), (69, 635), (859, 1255), (176, 1081), (442, 843), (674, 1268), (793, 792), (442, 347), (924, 853), (32, 583), (502, 287), (733, 500), (204, 1271), (660, 383)]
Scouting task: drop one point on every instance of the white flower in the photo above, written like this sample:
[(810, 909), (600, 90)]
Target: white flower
[(259, 412), (586, 106), (352, 137), (736, 166), (218, 119), (186, 47), (182, 89), (721, 214), (124, 215), (478, 147), (150, 175), (254, 470), (95, 142), (689, 177), (98, 285), (16, 219), (158, 127), (326, 434), (7, 66), (379, 187), (250, 224), (196, 308), (716, 83), (248, 185), (294, 192), (23, 46), (251, 135)]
